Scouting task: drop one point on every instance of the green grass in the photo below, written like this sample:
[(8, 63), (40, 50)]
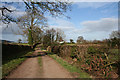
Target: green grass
[(40, 61), (12, 64), (40, 64), (71, 44), (6, 59), (21, 44), (69, 67)]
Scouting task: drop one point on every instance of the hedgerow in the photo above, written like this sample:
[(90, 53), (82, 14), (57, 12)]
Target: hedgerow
[(93, 59)]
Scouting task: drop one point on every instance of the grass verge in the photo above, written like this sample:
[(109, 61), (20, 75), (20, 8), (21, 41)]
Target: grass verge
[(11, 65), (40, 61), (70, 68)]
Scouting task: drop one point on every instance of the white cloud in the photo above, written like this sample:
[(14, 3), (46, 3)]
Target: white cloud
[(98, 29), (61, 23), (12, 28), (90, 30), (16, 12), (104, 24), (12, 37), (9, 33), (65, 28)]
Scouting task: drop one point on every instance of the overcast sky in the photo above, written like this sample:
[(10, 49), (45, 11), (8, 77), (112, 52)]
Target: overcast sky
[(92, 20)]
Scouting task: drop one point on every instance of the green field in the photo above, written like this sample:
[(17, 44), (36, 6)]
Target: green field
[(22, 44)]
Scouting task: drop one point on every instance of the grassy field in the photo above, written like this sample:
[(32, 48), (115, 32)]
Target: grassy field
[(12, 64), (69, 67), (26, 44)]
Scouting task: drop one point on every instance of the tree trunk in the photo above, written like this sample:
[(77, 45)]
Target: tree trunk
[(30, 37)]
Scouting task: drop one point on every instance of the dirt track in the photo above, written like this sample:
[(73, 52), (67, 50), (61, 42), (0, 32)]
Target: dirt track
[(51, 69), (31, 69), (28, 69)]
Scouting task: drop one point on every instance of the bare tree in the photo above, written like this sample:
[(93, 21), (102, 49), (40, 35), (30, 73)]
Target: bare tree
[(5, 18), (59, 35), (19, 40), (71, 41), (35, 9), (35, 13), (115, 34), (53, 36), (29, 21), (53, 8), (80, 39)]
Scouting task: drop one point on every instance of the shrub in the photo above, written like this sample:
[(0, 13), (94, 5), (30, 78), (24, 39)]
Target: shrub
[(91, 50), (73, 51)]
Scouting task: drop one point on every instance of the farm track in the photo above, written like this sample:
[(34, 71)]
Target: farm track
[(51, 69), (30, 68)]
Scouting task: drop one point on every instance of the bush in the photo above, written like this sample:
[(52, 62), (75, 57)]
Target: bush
[(91, 50), (73, 51), (95, 65)]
